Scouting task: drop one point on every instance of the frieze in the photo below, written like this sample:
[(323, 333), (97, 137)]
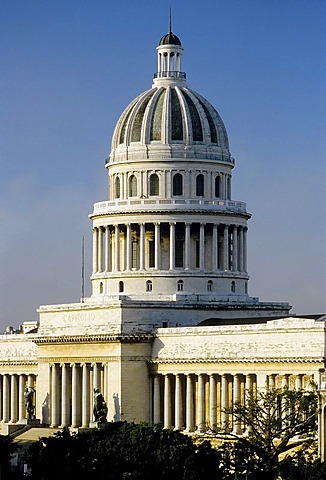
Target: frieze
[(90, 360)]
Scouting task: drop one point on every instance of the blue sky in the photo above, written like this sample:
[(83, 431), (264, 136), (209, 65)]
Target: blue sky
[(69, 68)]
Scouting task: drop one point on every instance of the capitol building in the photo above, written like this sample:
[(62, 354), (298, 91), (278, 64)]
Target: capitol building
[(170, 333)]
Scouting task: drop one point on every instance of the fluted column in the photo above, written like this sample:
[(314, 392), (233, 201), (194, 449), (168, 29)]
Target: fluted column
[(178, 403), (96, 376), (55, 410), (285, 381), (85, 396), (249, 393), (6, 398), (236, 400), (65, 397), (117, 248), (172, 245), (142, 246), (167, 401), (14, 399), (128, 247), (245, 249), (75, 420), (298, 381), (272, 381), (240, 249), (21, 397), (215, 247), (187, 246), (107, 249), (201, 403), (235, 249), (226, 248), (190, 414), (224, 401), (95, 250), (212, 402), (157, 399), (100, 249), (157, 260), (202, 246)]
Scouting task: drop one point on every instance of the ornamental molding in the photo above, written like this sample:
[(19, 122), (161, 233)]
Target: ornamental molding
[(129, 338), (157, 361), (104, 361)]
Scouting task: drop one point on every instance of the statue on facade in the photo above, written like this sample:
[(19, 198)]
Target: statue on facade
[(29, 395), (100, 409)]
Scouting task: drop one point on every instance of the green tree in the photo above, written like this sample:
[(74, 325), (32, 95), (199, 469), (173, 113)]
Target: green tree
[(124, 451), (273, 420)]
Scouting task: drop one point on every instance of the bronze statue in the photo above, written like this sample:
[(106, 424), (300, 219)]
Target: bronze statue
[(29, 395), (100, 409)]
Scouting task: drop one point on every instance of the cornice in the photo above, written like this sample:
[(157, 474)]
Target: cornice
[(127, 338), (156, 361)]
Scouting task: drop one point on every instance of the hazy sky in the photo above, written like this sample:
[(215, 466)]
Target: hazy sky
[(69, 68)]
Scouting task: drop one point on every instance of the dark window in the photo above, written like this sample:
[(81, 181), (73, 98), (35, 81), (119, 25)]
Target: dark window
[(134, 255), (101, 287), (179, 253), (217, 186), (151, 247), (149, 286), (177, 184), (180, 285), (117, 187), (232, 286), (132, 186), (154, 184), (197, 253), (209, 285), (121, 287), (200, 185)]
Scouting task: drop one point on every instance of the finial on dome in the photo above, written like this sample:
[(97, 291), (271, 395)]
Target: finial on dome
[(170, 21)]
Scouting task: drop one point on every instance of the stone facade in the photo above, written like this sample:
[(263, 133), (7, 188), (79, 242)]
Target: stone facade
[(170, 333)]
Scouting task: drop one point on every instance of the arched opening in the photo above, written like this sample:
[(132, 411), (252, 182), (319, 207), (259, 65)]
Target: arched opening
[(200, 185), (149, 286), (121, 286), (101, 287), (132, 186), (233, 286), (180, 285), (210, 285), (177, 184), (217, 186), (117, 188), (154, 188), (228, 188)]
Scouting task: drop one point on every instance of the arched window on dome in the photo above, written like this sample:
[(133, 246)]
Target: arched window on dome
[(154, 185), (200, 185), (121, 287), (210, 285), (233, 286), (217, 186), (117, 188), (228, 188), (132, 186), (180, 285), (149, 286), (177, 184)]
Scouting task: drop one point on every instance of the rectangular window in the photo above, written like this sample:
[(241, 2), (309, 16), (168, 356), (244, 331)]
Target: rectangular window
[(179, 253), (134, 255), (197, 253)]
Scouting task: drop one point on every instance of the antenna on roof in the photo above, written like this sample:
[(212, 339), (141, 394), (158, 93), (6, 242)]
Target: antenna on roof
[(170, 21)]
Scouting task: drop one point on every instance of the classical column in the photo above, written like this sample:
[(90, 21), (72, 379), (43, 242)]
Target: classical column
[(142, 246), (95, 250), (201, 403), (157, 399), (117, 248), (157, 264), (179, 425), (172, 245), (100, 249), (215, 247), (298, 381), (235, 249), (285, 381), (236, 400), (65, 397), (6, 398), (55, 410), (226, 248), (75, 417), (128, 247), (202, 246), (96, 376), (14, 399), (212, 402), (30, 381), (187, 246), (85, 396), (190, 424), (224, 401), (167, 401), (107, 267), (240, 249), (245, 249), (272, 381), (249, 391), (21, 397)]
